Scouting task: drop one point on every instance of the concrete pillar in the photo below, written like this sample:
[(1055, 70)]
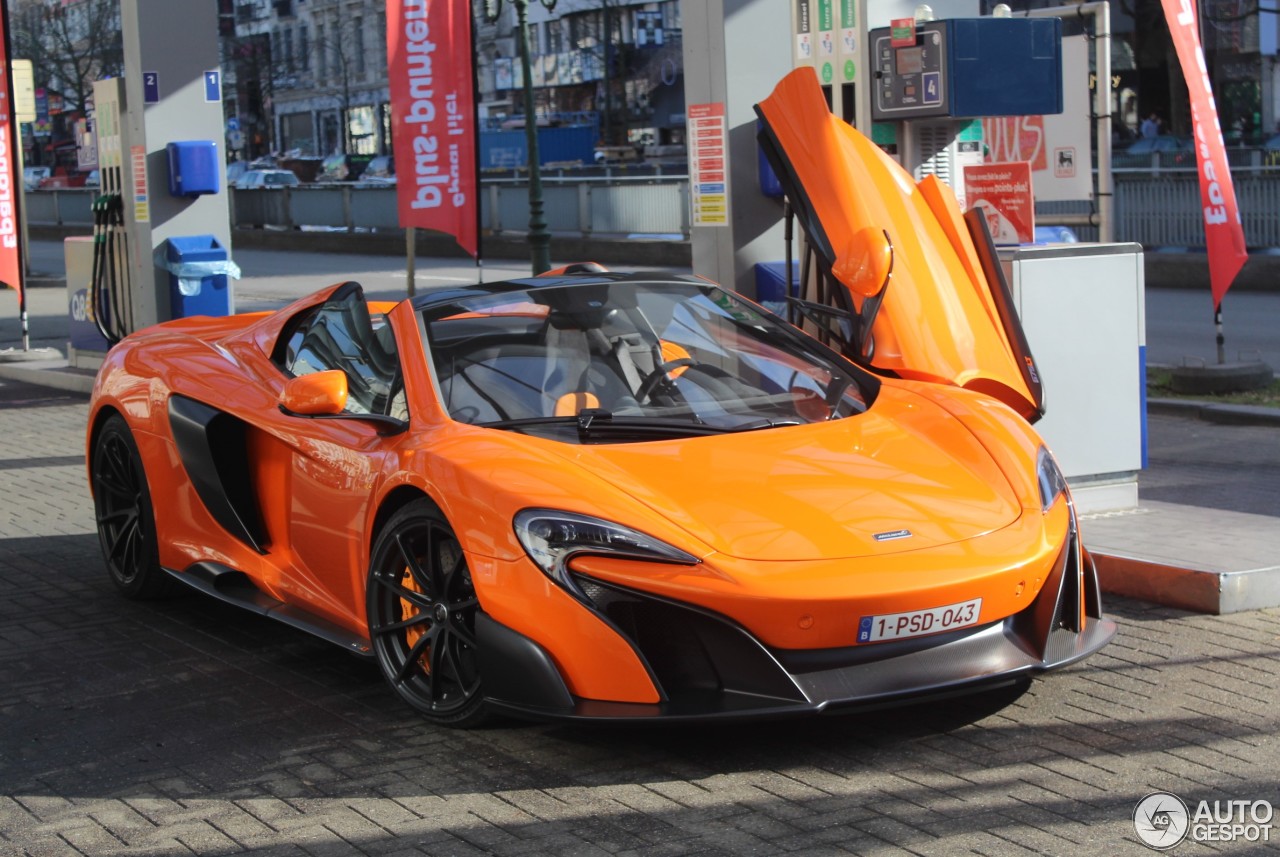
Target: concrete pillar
[(735, 52)]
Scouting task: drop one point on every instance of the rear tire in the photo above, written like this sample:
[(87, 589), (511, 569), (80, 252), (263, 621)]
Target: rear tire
[(421, 606), (126, 522)]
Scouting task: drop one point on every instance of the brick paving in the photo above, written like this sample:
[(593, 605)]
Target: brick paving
[(190, 727)]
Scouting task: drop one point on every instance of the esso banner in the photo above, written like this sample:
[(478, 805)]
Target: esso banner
[(433, 117), (1223, 234), (10, 267)]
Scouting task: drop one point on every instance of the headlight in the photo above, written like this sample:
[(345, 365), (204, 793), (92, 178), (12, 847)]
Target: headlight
[(552, 538), (1052, 483)]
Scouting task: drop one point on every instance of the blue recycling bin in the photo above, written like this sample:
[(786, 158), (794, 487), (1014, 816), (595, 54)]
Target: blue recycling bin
[(213, 296)]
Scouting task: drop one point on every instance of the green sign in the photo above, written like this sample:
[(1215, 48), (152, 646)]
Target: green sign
[(827, 72), (824, 15), (884, 133), (849, 69), (971, 133), (847, 14)]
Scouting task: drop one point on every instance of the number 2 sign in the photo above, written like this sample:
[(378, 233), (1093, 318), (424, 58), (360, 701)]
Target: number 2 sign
[(151, 87)]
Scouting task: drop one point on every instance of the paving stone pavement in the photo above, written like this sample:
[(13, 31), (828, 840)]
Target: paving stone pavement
[(189, 727)]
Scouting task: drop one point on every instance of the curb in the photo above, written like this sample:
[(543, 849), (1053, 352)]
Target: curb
[(1227, 415), (1187, 268), (55, 374), (1198, 590)]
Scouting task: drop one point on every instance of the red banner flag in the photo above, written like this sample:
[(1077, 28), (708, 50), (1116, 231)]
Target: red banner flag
[(1224, 236), (432, 116), (10, 263)]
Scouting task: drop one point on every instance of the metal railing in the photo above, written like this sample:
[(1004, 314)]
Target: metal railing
[(1156, 208), (643, 205)]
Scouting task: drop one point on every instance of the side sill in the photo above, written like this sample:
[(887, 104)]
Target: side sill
[(234, 587)]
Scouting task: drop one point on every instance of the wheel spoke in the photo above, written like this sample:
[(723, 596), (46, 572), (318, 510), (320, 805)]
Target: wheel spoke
[(117, 515), (132, 548), (411, 660), (454, 576), (415, 619), (450, 655), (119, 459), (420, 575), (462, 632), (467, 688), (123, 535), (417, 599), (437, 662), (439, 577), (110, 482)]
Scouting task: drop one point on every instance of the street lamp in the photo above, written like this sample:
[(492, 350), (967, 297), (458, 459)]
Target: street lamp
[(539, 238)]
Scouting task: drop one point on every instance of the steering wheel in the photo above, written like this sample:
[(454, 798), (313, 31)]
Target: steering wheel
[(659, 375)]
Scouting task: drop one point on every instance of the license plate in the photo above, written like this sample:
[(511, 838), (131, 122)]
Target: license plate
[(917, 623)]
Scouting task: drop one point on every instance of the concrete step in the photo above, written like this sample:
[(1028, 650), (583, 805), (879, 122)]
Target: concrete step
[(1200, 559)]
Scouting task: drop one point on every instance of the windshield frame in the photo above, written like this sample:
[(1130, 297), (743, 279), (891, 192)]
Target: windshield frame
[(772, 341)]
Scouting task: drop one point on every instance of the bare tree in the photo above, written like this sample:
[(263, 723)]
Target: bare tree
[(70, 45), (260, 71), (340, 57)]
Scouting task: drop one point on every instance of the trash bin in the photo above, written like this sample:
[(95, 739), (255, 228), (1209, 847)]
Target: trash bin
[(198, 267)]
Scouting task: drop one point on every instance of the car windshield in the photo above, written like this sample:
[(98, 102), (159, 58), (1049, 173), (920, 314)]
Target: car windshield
[(619, 361)]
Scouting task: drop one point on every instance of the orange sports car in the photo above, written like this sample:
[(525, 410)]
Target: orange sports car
[(626, 497)]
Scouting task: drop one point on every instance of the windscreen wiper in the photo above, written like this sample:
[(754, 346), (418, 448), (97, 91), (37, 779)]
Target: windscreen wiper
[(598, 423)]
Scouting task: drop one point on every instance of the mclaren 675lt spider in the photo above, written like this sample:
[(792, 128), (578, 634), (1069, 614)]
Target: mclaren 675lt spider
[(627, 497)]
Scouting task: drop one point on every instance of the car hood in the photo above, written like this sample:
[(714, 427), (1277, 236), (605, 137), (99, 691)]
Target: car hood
[(905, 475)]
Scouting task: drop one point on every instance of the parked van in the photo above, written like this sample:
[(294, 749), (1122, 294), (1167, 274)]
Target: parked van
[(343, 168)]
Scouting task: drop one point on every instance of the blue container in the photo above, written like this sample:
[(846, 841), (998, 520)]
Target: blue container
[(772, 290), (193, 167), (510, 149), (769, 184), (214, 297)]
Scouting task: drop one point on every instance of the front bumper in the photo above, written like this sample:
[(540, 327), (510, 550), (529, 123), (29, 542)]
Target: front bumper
[(708, 667)]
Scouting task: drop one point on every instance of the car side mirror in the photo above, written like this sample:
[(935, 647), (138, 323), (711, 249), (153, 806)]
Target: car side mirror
[(317, 394), (864, 264)]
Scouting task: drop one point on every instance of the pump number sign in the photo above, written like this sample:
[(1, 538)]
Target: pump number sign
[(213, 86), (151, 87)]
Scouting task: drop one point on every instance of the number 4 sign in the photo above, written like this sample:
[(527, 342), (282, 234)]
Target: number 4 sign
[(213, 85)]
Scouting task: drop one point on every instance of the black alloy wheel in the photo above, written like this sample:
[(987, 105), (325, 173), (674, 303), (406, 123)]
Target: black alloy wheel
[(421, 607), (122, 506)]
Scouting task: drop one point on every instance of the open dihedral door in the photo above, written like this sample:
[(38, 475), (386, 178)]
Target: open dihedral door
[(931, 303)]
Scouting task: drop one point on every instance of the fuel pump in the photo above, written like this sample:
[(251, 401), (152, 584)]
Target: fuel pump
[(110, 299), (932, 81), (156, 129)]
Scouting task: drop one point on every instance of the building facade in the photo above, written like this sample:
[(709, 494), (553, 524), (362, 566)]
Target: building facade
[(309, 77), (618, 60)]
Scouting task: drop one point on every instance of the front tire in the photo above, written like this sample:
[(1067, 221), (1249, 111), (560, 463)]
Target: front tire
[(421, 606), (122, 506)]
